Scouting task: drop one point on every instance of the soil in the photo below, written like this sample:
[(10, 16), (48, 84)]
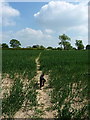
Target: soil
[(43, 97), (5, 86), (44, 104)]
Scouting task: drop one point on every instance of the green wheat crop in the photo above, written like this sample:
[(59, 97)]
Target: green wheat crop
[(69, 80)]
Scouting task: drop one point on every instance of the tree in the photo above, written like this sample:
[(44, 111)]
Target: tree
[(41, 47), (50, 47), (35, 46), (67, 45), (28, 47), (87, 47), (59, 48), (38, 46), (4, 45), (74, 48), (64, 38), (15, 43), (79, 44)]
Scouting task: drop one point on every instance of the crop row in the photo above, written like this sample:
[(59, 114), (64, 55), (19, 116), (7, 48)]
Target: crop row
[(21, 67), (19, 62), (69, 81)]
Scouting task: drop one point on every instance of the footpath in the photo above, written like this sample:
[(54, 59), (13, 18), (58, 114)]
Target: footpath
[(44, 105)]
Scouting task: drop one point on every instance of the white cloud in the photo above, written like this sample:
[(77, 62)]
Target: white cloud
[(81, 0), (7, 14), (49, 31), (44, 0), (62, 15), (57, 18), (6, 36), (2, 0), (31, 37)]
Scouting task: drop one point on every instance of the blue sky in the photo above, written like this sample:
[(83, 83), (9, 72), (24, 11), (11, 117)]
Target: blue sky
[(42, 22), (26, 18)]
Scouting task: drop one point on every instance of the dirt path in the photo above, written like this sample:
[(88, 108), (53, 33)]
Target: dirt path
[(42, 110), (43, 97)]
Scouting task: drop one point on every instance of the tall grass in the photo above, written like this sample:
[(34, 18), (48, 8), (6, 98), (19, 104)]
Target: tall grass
[(12, 103), (69, 80), (19, 61), (20, 65)]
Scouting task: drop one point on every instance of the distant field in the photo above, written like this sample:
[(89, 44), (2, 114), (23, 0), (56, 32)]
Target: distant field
[(19, 61), (68, 77)]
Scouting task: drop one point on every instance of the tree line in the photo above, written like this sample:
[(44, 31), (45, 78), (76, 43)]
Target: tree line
[(64, 44)]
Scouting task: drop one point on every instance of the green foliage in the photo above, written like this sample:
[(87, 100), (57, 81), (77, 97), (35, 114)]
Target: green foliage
[(68, 72), (30, 94), (4, 45), (67, 45), (19, 62), (87, 47), (11, 104), (79, 44), (38, 46), (69, 80), (64, 40), (50, 48), (20, 65), (15, 43)]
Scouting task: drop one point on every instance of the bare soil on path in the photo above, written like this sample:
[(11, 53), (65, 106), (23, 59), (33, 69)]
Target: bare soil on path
[(43, 96), (42, 110)]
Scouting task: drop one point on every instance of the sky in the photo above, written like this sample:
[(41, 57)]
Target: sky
[(41, 23)]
